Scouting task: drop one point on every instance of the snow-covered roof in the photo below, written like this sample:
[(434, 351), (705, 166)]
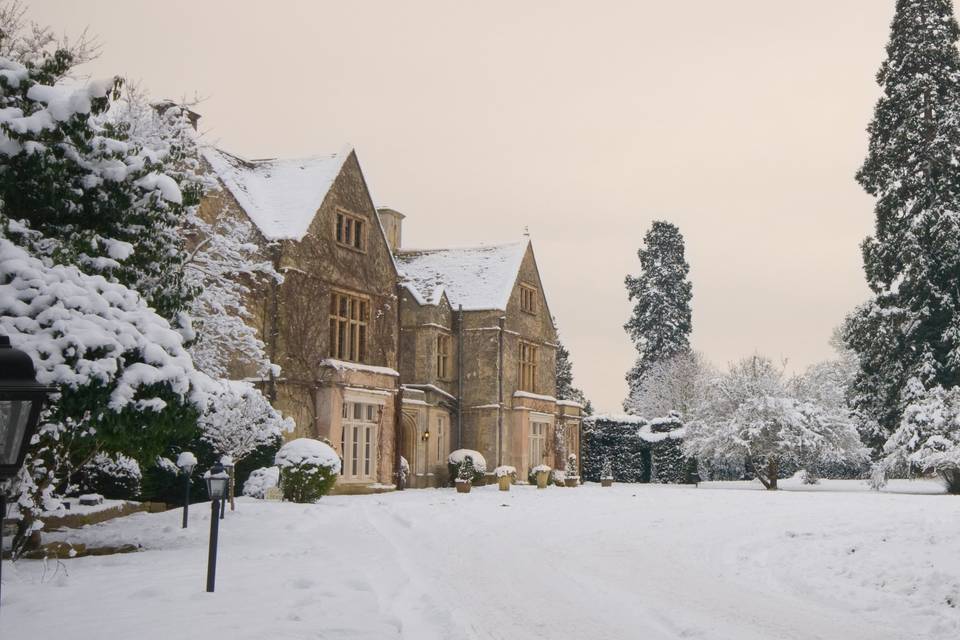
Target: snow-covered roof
[(281, 196), (477, 277)]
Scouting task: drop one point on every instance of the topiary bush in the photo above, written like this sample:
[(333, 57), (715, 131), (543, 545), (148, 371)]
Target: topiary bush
[(470, 459), (308, 470)]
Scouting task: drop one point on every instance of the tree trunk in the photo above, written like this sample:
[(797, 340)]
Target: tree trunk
[(773, 470)]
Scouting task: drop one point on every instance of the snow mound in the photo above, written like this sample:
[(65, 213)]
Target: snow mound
[(307, 451)]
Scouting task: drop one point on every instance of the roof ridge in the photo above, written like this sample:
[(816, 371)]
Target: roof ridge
[(499, 245)]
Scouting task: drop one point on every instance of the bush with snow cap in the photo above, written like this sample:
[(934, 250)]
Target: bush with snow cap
[(116, 477), (506, 471), (467, 463), (308, 469), (260, 480)]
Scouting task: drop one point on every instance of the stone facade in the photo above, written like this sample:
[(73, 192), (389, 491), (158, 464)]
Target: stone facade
[(447, 350)]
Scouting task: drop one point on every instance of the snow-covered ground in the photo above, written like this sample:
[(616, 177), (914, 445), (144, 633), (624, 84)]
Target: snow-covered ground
[(634, 561)]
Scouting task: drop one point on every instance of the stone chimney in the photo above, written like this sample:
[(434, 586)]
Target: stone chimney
[(392, 222)]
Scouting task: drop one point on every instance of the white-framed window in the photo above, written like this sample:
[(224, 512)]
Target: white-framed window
[(538, 442), (358, 440)]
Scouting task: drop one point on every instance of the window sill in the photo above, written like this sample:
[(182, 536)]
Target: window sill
[(350, 247)]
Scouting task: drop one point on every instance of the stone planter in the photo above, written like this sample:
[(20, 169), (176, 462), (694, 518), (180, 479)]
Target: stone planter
[(543, 479), (504, 483), (572, 482), (606, 482), (463, 487)]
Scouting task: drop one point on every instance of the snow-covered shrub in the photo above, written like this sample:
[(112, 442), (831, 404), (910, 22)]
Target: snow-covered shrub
[(558, 477), (403, 472), (928, 439), (238, 420), (665, 435), (754, 417), (308, 469), (116, 477), (460, 459), (532, 474), (571, 470), (260, 480), (606, 470)]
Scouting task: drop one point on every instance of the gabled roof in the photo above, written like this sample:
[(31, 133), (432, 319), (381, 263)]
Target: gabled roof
[(281, 196), (477, 277)]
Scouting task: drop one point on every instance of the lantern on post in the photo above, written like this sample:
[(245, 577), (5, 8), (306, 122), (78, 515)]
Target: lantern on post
[(227, 462), (217, 481), (186, 461), (21, 400)]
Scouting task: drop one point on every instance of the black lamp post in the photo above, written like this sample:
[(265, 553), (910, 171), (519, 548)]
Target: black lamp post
[(21, 399), (217, 481), (186, 461), (228, 466)]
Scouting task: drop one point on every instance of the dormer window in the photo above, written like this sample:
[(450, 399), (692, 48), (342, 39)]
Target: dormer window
[(528, 299), (350, 231)]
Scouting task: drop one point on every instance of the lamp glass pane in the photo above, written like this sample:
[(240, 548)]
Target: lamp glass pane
[(14, 415), (217, 487)]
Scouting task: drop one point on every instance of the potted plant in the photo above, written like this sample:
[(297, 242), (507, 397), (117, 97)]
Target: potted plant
[(606, 474), (558, 477), (506, 476), (465, 476), (541, 473), (571, 478)]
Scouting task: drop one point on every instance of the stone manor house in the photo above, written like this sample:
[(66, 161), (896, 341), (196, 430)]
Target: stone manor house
[(386, 350)]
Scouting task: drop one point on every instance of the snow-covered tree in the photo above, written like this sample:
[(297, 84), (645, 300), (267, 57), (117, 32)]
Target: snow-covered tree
[(678, 384), (907, 336), (565, 388), (928, 438), (97, 196), (223, 266), (661, 321), (754, 417), (238, 420), (125, 383)]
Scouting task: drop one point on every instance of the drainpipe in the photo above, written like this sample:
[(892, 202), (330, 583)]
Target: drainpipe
[(460, 378), (398, 410), (500, 393)]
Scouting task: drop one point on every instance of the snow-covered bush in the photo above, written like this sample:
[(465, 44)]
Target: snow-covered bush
[(532, 474), (754, 418), (606, 470), (469, 459), (238, 420), (260, 480), (403, 472), (928, 439), (116, 477), (571, 470), (308, 469), (558, 477), (124, 381)]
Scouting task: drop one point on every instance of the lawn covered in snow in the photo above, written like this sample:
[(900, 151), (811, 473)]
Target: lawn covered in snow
[(633, 561)]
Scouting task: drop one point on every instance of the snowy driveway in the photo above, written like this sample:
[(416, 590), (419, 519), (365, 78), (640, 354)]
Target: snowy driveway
[(651, 562)]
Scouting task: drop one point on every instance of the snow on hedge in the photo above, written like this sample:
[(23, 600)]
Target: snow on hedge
[(307, 451), (479, 462), (260, 480), (81, 330)]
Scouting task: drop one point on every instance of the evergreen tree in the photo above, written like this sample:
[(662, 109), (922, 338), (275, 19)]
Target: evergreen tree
[(907, 337), (96, 194), (565, 388), (661, 321)]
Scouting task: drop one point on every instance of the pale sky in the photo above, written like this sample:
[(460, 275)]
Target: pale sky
[(742, 122)]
